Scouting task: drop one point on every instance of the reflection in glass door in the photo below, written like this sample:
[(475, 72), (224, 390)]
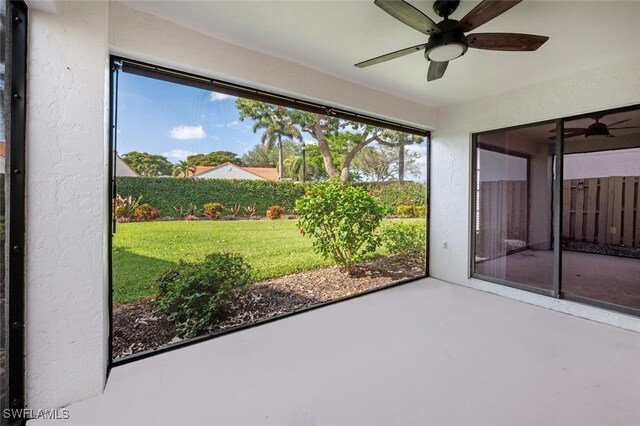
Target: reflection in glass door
[(600, 221), (514, 187)]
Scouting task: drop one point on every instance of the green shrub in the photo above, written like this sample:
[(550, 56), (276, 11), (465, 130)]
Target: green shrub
[(146, 213), (192, 295), (274, 212), (213, 210), (165, 193), (397, 194), (343, 220), (404, 238), (125, 207), (406, 211), (411, 211)]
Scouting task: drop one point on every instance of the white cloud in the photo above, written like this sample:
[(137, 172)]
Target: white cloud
[(234, 123), (188, 132), (176, 155), (215, 96)]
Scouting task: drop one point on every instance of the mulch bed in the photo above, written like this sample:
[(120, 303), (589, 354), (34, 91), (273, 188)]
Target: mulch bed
[(596, 248), (137, 327)]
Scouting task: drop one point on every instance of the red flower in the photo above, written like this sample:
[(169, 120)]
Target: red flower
[(301, 231)]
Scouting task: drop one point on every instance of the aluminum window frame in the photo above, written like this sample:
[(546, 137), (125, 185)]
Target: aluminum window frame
[(557, 198), (119, 63)]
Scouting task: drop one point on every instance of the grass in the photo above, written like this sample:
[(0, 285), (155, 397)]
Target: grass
[(141, 250)]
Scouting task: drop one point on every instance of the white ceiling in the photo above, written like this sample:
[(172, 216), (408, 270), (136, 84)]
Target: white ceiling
[(331, 36)]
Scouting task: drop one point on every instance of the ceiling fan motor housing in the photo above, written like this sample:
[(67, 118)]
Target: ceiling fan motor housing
[(598, 129), (447, 45)]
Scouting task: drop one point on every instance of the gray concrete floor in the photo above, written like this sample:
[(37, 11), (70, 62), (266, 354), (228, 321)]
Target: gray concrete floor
[(607, 278), (425, 353)]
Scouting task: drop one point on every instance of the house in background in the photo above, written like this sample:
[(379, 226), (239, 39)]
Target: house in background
[(233, 171), (123, 169)]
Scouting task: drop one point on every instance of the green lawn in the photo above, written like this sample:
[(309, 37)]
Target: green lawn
[(141, 250)]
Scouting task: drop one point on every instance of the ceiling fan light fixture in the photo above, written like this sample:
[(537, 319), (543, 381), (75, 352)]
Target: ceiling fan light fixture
[(446, 47), (598, 129)]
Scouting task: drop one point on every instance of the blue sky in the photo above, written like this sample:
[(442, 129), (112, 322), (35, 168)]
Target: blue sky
[(175, 121)]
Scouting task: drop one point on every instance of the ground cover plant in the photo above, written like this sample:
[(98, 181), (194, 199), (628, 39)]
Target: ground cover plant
[(142, 250)]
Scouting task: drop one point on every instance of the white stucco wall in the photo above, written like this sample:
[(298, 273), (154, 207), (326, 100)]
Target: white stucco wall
[(144, 37), (67, 174), (607, 86), (602, 164), (66, 290)]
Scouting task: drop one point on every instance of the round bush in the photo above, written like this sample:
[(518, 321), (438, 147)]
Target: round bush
[(343, 220), (192, 295)]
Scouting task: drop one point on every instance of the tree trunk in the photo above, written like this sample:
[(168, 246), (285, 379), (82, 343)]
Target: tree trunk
[(401, 163), (280, 159), (346, 163), (323, 147)]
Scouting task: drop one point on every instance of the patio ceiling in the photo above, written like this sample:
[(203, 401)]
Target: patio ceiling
[(331, 36)]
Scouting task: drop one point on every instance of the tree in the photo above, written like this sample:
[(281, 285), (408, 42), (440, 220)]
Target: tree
[(260, 156), (374, 164), (146, 164), (385, 163), (275, 122), (183, 168), (293, 165), (399, 140), (214, 158), (324, 128)]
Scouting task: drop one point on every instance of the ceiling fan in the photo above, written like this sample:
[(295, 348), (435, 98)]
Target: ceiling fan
[(447, 40), (595, 129)]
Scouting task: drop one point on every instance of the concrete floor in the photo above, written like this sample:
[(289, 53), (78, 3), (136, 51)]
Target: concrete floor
[(425, 353), (608, 278)]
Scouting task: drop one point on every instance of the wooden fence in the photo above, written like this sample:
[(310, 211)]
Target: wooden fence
[(602, 210)]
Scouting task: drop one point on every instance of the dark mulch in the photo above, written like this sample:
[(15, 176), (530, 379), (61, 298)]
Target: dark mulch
[(620, 251), (137, 327)]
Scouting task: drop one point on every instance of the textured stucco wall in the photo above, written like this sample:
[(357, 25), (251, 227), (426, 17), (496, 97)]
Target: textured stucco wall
[(66, 297), (608, 86)]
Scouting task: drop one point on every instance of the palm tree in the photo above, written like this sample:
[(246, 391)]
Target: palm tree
[(293, 164), (183, 168), (276, 125)]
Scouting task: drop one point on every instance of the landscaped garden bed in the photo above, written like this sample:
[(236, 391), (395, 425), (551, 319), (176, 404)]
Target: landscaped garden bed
[(137, 326), (176, 280)]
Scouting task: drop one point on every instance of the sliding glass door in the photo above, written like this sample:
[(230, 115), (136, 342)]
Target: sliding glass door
[(600, 223), (513, 228), (590, 253)]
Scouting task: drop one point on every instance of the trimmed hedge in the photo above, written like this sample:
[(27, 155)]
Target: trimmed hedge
[(394, 195), (165, 193)]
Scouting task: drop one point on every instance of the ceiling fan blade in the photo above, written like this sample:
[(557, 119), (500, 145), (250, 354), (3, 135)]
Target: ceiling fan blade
[(483, 13), (389, 56), (622, 128), (618, 122), (570, 129), (577, 133), (409, 15), (506, 41), (436, 70)]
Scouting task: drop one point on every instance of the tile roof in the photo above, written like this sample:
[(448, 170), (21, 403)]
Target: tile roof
[(267, 173)]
